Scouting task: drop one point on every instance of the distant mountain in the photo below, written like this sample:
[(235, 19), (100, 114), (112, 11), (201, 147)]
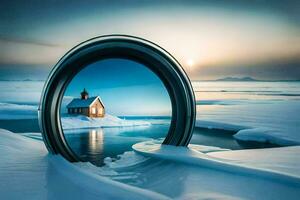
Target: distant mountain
[(246, 78)]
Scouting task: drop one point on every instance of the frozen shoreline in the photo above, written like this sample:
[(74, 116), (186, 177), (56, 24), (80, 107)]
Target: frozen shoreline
[(73, 122)]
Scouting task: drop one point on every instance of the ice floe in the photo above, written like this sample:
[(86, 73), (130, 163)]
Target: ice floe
[(266, 135)]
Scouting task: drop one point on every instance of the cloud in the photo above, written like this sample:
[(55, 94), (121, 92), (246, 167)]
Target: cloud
[(27, 41), (20, 51), (213, 35)]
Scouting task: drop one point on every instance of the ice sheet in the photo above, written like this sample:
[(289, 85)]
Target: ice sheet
[(276, 122), (17, 111), (270, 109), (23, 92)]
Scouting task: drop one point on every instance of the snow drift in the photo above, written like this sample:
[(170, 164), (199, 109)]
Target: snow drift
[(28, 172)]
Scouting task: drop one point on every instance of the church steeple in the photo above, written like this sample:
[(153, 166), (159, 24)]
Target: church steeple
[(84, 94)]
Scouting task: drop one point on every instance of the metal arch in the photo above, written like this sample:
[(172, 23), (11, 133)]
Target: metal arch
[(117, 46)]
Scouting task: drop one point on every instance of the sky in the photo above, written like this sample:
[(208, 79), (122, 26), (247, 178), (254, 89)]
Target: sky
[(211, 39), (125, 87)]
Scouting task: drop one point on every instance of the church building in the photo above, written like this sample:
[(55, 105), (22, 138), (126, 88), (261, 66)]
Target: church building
[(88, 106)]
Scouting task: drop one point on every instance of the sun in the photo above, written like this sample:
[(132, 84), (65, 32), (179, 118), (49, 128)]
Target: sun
[(190, 62)]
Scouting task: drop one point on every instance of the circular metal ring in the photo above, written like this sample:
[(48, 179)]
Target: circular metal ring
[(117, 46)]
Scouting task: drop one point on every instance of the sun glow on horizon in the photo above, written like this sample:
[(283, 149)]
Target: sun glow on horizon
[(190, 63)]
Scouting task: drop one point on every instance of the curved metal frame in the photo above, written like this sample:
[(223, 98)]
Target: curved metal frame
[(117, 46)]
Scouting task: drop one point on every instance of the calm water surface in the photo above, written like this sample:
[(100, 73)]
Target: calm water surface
[(98, 143), (95, 144)]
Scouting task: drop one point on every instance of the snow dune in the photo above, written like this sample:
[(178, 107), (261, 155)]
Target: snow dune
[(79, 121)]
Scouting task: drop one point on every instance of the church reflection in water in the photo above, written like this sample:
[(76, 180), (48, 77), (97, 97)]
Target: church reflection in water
[(96, 141), (95, 144), (88, 144), (92, 145)]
